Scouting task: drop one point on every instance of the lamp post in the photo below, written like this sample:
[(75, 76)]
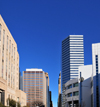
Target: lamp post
[(81, 80)]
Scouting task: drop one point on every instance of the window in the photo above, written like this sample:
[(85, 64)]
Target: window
[(3, 36), (75, 93), (6, 68), (70, 86), (7, 42), (9, 46), (69, 95), (2, 71), (75, 85), (14, 53), (12, 49)]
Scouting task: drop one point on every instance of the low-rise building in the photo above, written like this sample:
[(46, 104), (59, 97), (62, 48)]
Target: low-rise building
[(72, 93), (89, 87)]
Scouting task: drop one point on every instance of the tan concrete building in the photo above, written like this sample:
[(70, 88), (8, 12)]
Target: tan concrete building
[(35, 84), (9, 67)]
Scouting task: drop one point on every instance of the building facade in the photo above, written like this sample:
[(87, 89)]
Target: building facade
[(9, 70), (59, 90), (72, 58), (96, 74), (90, 87), (72, 93), (35, 85)]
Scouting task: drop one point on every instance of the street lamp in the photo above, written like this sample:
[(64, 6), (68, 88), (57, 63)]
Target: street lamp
[(81, 80)]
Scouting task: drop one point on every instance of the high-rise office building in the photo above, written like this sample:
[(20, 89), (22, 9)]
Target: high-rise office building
[(35, 84), (9, 67), (72, 58)]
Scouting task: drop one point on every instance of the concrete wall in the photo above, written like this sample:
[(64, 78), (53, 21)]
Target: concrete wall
[(86, 73)]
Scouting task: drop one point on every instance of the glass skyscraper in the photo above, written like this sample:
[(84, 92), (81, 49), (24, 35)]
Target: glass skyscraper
[(72, 58)]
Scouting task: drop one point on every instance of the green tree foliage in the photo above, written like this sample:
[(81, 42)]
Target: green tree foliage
[(37, 103), (12, 103), (18, 104), (1, 105)]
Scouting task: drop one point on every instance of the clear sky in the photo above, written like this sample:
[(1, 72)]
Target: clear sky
[(39, 26)]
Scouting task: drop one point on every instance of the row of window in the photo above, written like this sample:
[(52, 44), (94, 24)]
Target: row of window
[(76, 43), (76, 55), (25, 76), (66, 49), (71, 63), (33, 73), (33, 85), (31, 78), (74, 94), (74, 72), (34, 89), (72, 85), (75, 40)]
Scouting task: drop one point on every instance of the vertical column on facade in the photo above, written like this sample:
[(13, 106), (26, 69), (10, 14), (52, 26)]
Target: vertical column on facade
[(68, 105), (72, 103)]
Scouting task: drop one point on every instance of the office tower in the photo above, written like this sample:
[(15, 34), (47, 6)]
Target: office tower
[(9, 67), (59, 90), (72, 58), (35, 84)]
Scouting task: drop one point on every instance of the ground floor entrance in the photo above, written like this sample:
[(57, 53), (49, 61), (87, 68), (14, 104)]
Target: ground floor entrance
[(73, 104), (2, 96)]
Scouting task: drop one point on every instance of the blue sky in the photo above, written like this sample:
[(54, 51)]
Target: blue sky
[(39, 26)]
